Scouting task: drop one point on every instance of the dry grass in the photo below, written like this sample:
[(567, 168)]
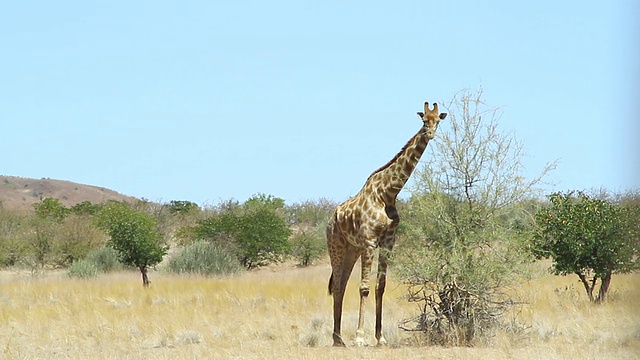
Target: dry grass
[(283, 314)]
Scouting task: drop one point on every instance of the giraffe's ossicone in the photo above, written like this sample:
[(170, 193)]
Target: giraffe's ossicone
[(368, 221)]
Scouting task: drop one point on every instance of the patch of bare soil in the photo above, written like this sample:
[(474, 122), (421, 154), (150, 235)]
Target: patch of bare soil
[(18, 193)]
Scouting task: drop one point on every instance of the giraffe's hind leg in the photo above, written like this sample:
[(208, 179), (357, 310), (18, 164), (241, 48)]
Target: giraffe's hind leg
[(343, 257), (387, 241), (350, 258)]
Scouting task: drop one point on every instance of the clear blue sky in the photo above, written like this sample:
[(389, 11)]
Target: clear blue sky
[(206, 101)]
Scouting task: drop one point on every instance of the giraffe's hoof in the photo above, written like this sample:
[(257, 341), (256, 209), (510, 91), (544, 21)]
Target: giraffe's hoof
[(360, 342), (382, 341), (337, 341)]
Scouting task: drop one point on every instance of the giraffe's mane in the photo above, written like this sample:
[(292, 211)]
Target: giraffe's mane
[(383, 167)]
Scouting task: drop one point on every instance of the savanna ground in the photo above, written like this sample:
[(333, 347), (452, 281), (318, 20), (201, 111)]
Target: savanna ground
[(285, 313)]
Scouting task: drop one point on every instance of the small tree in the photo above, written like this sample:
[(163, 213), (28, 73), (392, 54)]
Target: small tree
[(51, 208), (255, 231), (308, 246), (182, 207), (308, 222), (86, 208), (264, 201), (590, 237), (42, 240), (75, 237), (63, 235), (263, 237), (465, 227), (13, 227), (50, 213), (133, 234)]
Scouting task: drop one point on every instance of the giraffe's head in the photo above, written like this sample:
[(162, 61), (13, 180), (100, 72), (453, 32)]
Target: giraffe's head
[(430, 119)]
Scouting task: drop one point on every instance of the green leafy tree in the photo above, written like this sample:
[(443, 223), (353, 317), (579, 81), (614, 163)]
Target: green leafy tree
[(182, 215), (51, 208), (50, 213), (182, 207), (133, 234), (590, 237), (264, 201), (85, 208), (255, 231), (263, 238)]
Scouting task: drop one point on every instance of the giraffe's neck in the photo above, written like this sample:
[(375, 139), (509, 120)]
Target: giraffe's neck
[(388, 180)]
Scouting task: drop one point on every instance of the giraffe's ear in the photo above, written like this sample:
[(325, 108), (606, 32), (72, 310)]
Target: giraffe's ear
[(443, 115), (421, 114)]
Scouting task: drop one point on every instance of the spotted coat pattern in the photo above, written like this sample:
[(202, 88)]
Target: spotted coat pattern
[(368, 221)]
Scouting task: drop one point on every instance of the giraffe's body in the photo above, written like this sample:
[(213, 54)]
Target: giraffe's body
[(368, 221)]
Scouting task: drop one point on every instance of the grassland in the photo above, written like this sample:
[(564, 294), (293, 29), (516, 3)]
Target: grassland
[(284, 313)]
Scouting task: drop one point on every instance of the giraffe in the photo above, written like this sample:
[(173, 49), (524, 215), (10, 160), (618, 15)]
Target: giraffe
[(368, 221)]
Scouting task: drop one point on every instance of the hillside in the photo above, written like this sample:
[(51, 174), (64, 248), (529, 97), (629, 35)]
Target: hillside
[(18, 193)]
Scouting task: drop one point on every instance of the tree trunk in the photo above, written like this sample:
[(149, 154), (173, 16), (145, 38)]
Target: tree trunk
[(604, 287), (145, 278), (587, 287)]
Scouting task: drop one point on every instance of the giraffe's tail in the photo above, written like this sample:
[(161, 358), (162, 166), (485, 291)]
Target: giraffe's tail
[(331, 284)]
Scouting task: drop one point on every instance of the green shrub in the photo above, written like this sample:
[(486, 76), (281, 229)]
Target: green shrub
[(259, 234), (308, 246), (105, 259), (83, 269), (13, 251), (13, 246), (204, 258), (74, 238), (50, 208)]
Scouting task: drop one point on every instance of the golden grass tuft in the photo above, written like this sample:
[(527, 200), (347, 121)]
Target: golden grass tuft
[(285, 314)]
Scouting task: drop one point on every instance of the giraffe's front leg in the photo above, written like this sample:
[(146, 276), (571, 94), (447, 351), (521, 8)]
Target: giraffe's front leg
[(386, 246), (366, 261), (380, 285)]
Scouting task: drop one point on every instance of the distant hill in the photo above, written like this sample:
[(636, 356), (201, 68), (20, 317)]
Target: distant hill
[(18, 193)]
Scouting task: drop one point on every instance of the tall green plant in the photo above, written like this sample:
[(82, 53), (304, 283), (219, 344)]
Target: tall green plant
[(13, 227), (309, 245), (51, 208), (205, 258), (75, 237), (134, 235), (105, 259), (256, 231), (464, 230), (590, 237), (308, 221)]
